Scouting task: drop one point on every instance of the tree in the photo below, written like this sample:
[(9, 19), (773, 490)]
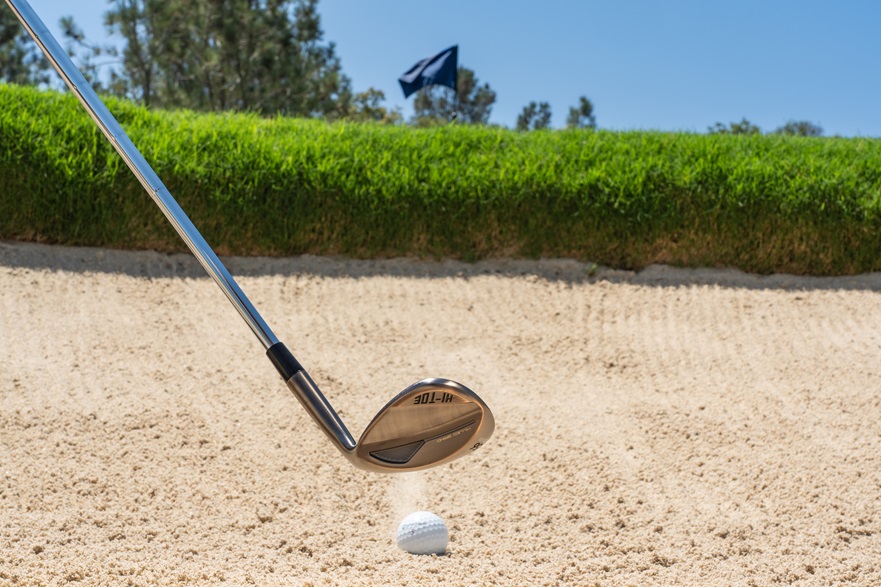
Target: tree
[(139, 69), (265, 56), (744, 127), (437, 104), (581, 116), (79, 48), (801, 128), (367, 107), (21, 61), (535, 117)]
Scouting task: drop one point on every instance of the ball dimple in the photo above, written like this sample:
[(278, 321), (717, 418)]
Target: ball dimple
[(423, 533)]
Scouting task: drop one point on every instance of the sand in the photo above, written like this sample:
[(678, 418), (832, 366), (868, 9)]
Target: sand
[(663, 427)]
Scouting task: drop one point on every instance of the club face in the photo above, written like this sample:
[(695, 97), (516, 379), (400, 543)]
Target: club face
[(433, 421)]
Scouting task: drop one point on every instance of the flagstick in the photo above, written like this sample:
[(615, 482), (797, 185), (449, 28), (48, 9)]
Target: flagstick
[(456, 107)]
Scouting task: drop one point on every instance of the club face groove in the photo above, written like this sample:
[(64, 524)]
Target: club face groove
[(432, 422)]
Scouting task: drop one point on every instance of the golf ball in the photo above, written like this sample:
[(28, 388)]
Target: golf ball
[(423, 533)]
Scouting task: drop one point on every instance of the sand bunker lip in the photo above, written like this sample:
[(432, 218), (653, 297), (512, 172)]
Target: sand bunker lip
[(710, 427)]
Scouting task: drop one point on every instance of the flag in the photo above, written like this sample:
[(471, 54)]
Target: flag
[(440, 69)]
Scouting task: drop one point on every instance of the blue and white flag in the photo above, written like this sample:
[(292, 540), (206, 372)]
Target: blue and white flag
[(440, 69)]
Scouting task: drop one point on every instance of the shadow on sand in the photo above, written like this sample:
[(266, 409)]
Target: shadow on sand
[(154, 265)]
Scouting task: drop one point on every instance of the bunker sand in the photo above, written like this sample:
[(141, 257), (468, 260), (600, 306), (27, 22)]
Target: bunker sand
[(670, 426)]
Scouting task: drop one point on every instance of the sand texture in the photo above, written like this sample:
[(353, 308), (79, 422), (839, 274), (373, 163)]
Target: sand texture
[(664, 427)]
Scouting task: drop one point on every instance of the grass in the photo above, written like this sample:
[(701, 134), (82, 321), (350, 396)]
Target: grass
[(290, 186)]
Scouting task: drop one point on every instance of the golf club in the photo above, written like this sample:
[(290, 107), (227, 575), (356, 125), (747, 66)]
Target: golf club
[(429, 423)]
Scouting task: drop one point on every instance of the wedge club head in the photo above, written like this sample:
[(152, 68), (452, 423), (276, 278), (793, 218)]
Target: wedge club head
[(432, 422)]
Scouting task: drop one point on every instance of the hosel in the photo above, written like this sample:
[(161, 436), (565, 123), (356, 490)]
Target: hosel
[(305, 390)]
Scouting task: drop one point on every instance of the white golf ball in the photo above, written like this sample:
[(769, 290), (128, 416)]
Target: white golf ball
[(423, 533)]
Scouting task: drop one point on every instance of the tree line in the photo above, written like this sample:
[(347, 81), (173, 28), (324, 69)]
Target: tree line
[(263, 56), (801, 128)]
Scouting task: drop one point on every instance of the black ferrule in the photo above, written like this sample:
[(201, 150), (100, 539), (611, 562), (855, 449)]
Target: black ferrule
[(283, 360)]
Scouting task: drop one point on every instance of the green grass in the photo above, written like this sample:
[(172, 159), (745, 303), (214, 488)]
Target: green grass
[(289, 186)]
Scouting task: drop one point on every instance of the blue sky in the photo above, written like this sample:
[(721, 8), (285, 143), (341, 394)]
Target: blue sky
[(675, 65)]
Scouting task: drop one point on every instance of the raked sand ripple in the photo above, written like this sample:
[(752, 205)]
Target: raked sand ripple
[(665, 427)]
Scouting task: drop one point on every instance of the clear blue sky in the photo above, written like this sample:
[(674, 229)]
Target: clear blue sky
[(675, 65)]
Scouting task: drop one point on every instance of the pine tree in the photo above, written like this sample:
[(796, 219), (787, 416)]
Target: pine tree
[(20, 59)]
